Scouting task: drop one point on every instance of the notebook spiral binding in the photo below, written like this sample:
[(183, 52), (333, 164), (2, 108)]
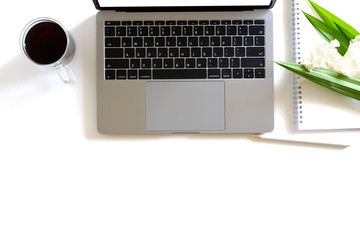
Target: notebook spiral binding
[(297, 58)]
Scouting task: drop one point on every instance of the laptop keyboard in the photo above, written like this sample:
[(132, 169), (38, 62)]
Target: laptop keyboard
[(199, 49)]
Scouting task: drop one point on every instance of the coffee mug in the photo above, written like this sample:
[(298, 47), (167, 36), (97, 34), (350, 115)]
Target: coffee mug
[(46, 43)]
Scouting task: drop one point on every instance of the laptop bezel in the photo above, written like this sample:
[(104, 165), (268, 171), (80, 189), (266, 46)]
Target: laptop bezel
[(184, 9)]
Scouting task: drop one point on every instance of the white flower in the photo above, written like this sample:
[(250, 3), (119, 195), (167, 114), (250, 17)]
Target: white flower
[(326, 56)]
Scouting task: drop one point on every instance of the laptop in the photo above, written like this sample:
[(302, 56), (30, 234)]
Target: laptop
[(190, 66)]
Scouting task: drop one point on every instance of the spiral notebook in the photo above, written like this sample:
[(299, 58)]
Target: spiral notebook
[(317, 108)]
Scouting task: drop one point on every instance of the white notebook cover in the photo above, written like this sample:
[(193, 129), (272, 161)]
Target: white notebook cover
[(317, 108)]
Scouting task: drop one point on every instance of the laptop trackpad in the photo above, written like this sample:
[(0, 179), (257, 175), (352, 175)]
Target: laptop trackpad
[(185, 106)]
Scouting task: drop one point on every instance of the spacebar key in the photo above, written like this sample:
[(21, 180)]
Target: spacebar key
[(179, 74)]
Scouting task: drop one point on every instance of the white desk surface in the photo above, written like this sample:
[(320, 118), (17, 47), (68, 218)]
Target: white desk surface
[(60, 179)]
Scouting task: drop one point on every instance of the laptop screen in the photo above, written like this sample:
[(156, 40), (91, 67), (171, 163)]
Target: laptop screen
[(183, 3)]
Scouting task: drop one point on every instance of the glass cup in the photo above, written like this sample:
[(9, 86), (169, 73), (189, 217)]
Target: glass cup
[(46, 43)]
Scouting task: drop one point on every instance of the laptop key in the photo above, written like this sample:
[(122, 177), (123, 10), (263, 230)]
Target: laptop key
[(179, 74), (112, 42), (214, 73), (110, 74), (144, 74), (252, 62), (117, 63)]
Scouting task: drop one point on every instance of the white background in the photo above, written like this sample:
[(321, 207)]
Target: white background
[(60, 179)]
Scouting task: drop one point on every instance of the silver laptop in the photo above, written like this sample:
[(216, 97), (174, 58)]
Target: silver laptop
[(185, 67)]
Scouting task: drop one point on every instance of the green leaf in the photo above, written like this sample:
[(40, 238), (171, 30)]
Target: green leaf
[(329, 33), (339, 83), (334, 21)]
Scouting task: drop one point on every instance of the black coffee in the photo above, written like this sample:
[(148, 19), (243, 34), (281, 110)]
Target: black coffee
[(45, 43)]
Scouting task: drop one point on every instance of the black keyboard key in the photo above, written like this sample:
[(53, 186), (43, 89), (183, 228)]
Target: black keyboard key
[(260, 73), (148, 23), (206, 52), (237, 73), (229, 52), (225, 41), (214, 41), (121, 31), (110, 74), (198, 30), (215, 22), (248, 73), (193, 22), (252, 62), (132, 31), (170, 22), (248, 41), (179, 63), (157, 63), (159, 41), (209, 30), (112, 42), (164, 31), (259, 21), (126, 23), (182, 42), (190, 63), (121, 74), (184, 52), (107, 23), (239, 52), (259, 41), (129, 52), (148, 41), (242, 30), (195, 52), (214, 73), (179, 74), (173, 52), (171, 41), (237, 22), (117, 63), (237, 41), (137, 23), (187, 30), (176, 30), (225, 22), (168, 63), (126, 42), (134, 63), (204, 41), (113, 52), (212, 62), (226, 73), (220, 30), (182, 22), (204, 22), (231, 30), (234, 62), (218, 52), (110, 31), (154, 31), (144, 74), (223, 62), (193, 41), (137, 42), (132, 74), (145, 63), (256, 30), (143, 31), (140, 52), (162, 52), (255, 51), (201, 63), (159, 22), (248, 22)]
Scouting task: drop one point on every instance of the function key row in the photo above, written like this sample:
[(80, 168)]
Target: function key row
[(184, 22)]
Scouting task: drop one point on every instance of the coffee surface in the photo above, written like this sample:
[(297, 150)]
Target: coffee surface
[(45, 43)]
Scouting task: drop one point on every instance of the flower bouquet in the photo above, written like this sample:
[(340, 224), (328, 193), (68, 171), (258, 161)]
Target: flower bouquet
[(336, 63)]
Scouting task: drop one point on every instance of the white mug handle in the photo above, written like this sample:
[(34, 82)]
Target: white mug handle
[(66, 75)]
